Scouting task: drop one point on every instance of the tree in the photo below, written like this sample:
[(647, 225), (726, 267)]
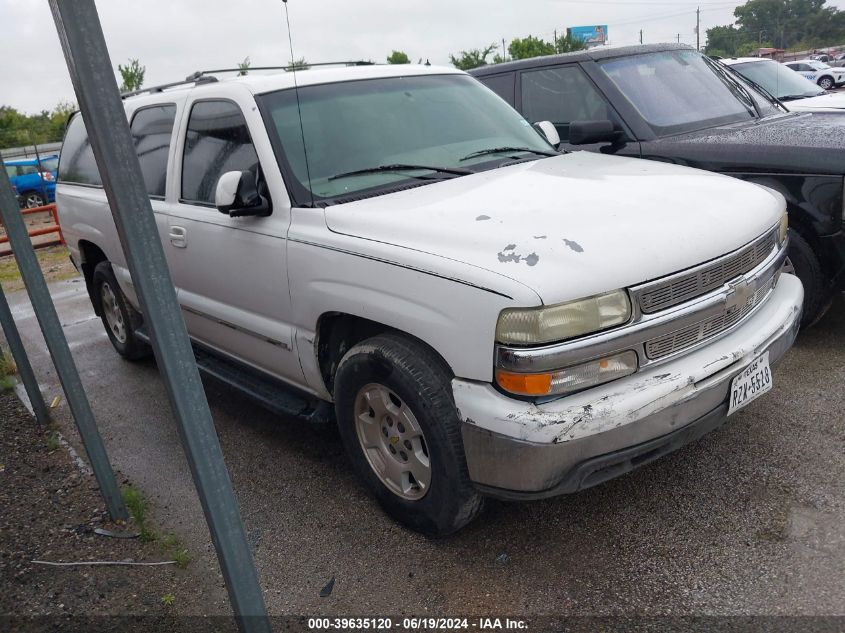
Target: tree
[(244, 66), (467, 60), (132, 74), (530, 47), (298, 64), (789, 24), (568, 44), (18, 129), (723, 40), (398, 57)]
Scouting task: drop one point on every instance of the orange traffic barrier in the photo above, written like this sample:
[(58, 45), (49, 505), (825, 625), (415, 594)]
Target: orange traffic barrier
[(54, 228)]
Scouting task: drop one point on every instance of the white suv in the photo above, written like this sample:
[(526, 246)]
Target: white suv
[(488, 317)]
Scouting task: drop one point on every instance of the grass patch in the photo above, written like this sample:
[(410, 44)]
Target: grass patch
[(52, 442), (171, 547), (136, 503), (174, 550), (54, 261), (7, 363), (7, 370)]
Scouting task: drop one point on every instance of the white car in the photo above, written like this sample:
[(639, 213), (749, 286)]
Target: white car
[(798, 93), (396, 248), (818, 72)]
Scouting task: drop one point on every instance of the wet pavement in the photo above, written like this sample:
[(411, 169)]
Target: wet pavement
[(749, 520)]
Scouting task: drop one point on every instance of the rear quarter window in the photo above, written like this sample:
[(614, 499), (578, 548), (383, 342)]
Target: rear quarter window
[(77, 165), (152, 129)]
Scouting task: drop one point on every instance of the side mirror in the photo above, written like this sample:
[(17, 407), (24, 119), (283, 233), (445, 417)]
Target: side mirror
[(237, 195), (548, 129), (587, 132)]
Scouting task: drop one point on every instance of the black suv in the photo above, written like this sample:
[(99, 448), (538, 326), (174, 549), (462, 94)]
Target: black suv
[(669, 102)]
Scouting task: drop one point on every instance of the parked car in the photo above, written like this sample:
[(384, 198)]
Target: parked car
[(818, 72), (668, 102), (838, 61), (798, 93), (481, 315), (35, 180)]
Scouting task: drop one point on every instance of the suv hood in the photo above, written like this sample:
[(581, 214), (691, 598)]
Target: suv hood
[(569, 226), (799, 143), (833, 102)]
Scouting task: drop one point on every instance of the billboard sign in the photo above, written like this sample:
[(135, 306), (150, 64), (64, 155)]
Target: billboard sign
[(595, 35)]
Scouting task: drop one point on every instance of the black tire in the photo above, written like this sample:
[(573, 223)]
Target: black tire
[(31, 199), (808, 269), (132, 348), (417, 376), (826, 83)]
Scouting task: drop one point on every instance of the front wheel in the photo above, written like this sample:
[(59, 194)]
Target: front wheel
[(826, 83), (32, 200), (119, 318), (399, 425), (805, 265)]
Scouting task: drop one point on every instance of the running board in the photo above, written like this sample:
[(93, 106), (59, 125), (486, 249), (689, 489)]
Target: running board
[(271, 393)]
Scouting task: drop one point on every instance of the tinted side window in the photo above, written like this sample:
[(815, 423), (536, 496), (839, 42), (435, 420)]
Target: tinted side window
[(502, 85), (77, 163), (217, 141), (151, 131), (27, 170), (562, 95)]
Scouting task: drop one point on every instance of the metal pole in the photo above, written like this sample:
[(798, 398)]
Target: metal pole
[(44, 199), (87, 57), (54, 336), (698, 29), (30, 382)]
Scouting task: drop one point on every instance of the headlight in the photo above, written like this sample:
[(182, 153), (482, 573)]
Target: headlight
[(783, 229), (519, 326), (576, 378)]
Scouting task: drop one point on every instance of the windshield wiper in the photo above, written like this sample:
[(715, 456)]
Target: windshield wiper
[(505, 150), (457, 171), (739, 91), (795, 97)]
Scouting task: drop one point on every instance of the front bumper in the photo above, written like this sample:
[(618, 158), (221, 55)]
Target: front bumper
[(516, 449)]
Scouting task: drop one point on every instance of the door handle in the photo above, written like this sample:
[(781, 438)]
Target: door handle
[(178, 236)]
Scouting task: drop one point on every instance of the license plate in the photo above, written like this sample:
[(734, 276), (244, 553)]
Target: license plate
[(752, 383)]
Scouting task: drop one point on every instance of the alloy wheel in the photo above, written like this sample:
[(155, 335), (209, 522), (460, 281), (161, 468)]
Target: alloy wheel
[(392, 441)]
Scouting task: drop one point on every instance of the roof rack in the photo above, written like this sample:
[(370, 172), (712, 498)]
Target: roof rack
[(202, 73), (205, 76)]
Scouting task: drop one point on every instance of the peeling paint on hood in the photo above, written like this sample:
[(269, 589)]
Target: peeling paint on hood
[(609, 222)]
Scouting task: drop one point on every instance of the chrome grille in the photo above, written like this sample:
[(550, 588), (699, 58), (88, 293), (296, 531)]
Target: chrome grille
[(703, 279), (676, 341)]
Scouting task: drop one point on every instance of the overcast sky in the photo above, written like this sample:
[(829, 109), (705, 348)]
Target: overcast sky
[(174, 38)]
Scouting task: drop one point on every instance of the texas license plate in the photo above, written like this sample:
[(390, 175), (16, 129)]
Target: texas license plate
[(752, 383)]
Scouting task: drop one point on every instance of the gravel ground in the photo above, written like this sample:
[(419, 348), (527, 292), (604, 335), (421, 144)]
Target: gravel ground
[(49, 510), (748, 521)]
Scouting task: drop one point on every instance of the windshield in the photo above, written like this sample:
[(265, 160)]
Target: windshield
[(679, 91), (777, 79), (435, 122), (817, 64), (50, 164)]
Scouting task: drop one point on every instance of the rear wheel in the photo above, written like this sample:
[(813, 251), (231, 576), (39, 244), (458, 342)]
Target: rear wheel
[(826, 83), (399, 425), (120, 319), (805, 265), (32, 199)]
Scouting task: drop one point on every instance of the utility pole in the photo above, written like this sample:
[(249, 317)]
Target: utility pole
[(679, 38), (505, 51), (698, 29), (641, 36)]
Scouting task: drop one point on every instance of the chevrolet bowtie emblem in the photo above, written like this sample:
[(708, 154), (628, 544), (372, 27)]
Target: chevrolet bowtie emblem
[(738, 296)]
